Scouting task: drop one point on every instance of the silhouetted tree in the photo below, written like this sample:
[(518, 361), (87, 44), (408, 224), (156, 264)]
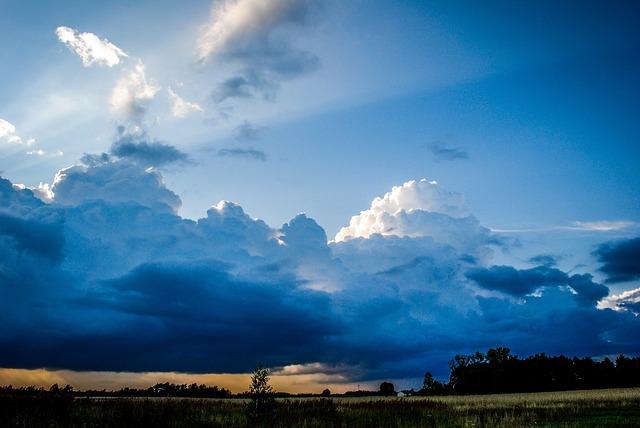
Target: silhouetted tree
[(430, 386), (261, 408), (387, 388), (326, 393)]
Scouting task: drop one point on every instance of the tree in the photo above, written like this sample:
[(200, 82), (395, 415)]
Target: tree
[(261, 408), (326, 393), (430, 386), (499, 355), (387, 388)]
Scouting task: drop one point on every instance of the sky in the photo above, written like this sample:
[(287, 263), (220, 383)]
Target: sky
[(343, 191)]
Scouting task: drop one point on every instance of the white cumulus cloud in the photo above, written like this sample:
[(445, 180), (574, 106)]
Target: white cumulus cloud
[(90, 48), (407, 210), (9, 134), (180, 107)]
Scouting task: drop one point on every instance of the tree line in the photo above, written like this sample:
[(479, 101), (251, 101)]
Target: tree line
[(499, 371), (158, 390)]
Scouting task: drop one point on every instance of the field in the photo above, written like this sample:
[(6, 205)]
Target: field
[(594, 408)]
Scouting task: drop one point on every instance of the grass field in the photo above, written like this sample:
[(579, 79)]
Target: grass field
[(595, 408)]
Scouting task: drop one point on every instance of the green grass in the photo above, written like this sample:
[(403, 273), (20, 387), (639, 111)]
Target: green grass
[(595, 408)]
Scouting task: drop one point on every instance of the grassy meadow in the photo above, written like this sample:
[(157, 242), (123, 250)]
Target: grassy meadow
[(591, 408)]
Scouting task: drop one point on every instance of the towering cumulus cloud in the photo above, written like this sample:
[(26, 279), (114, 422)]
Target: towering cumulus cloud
[(113, 279)]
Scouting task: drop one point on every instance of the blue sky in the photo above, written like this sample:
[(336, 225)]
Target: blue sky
[(527, 112)]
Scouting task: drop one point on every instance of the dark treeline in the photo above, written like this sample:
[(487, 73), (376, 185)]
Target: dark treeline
[(158, 390), (498, 371)]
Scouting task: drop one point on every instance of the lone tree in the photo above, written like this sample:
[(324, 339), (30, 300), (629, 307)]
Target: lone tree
[(387, 388), (261, 408), (326, 393)]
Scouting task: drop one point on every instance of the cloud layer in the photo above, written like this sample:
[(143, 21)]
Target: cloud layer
[(107, 276)]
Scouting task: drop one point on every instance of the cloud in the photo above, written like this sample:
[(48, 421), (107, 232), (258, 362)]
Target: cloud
[(107, 276), (544, 260), (131, 95), (8, 134), (620, 259), (37, 238), (90, 48), (520, 283), (252, 35), (442, 152), (628, 300), (248, 131), (243, 153), (181, 108), (113, 182), (239, 22), (406, 210), (137, 146), (576, 226), (602, 226), (516, 282)]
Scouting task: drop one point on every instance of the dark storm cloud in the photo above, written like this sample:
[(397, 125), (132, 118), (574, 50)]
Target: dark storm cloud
[(254, 154), (199, 318), (45, 240), (28, 225), (516, 282), (109, 277), (519, 283), (620, 259)]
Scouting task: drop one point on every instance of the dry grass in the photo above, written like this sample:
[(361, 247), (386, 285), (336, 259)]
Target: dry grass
[(594, 408)]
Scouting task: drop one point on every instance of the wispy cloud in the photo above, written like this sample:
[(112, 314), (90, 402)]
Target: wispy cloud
[(442, 152), (40, 152), (601, 226), (90, 48), (577, 226), (249, 34), (243, 153), (132, 94), (248, 131), (180, 107), (240, 22)]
